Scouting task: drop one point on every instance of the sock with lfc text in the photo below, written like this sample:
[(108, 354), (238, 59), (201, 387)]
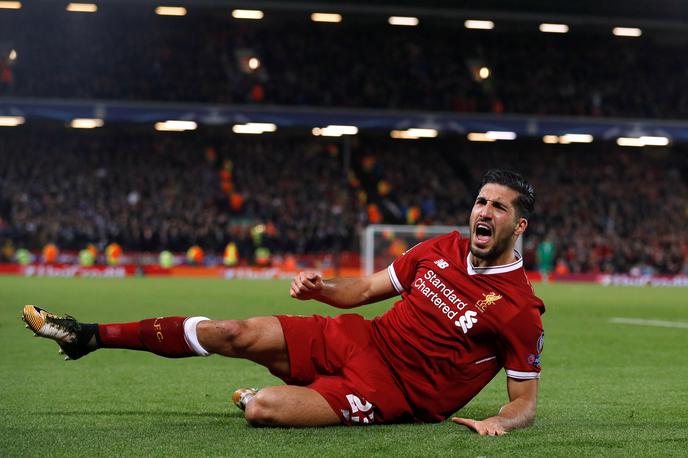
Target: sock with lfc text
[(171, 337)]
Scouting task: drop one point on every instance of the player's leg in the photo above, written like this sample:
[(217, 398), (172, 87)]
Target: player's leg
[(262, 340), (257, 339), (289, 406)]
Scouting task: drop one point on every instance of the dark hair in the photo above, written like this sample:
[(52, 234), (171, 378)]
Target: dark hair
[(525, 202)]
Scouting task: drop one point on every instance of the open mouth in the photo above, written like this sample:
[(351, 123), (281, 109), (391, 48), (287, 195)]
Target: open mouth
[(483, 233)]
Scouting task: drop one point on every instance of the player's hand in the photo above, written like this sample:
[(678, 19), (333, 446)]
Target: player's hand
[(306, 285), (484, 428)]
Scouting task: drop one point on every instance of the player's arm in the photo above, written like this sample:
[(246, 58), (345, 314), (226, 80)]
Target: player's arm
[(518, 413), (342, 292)]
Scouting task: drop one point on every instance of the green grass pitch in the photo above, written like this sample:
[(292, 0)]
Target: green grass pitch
[(607, 389)]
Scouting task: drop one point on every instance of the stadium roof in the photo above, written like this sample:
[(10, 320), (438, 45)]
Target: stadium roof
[(643, 10), (656, 9)]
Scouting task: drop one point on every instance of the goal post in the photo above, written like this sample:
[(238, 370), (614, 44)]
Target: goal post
[(382, 243)]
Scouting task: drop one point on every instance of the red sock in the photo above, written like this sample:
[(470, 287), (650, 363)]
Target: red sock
[(162, 336)]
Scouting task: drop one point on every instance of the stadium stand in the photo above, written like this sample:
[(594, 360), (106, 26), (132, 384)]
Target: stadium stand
[(606, 209), (203, 58)]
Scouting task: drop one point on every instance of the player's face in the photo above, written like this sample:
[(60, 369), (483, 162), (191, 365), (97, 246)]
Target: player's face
[(495, 225)]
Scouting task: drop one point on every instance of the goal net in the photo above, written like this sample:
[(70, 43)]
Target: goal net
[(383, 243)]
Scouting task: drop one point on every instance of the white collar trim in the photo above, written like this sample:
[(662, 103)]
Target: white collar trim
[(472, 270)]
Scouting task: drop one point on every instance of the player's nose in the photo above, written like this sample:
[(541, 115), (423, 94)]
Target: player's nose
[(486, 211)]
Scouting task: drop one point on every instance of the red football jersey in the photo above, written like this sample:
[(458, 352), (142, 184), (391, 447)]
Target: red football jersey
[(457, 325)]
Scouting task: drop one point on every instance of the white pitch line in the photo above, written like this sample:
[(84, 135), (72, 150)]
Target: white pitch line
[(658, 323)]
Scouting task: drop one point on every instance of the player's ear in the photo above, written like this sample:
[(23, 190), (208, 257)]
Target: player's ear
[(521, 226)]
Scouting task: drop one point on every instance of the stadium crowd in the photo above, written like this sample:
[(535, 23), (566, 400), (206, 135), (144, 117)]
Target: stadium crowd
[(206, 58), (605, 209), (162, 194)]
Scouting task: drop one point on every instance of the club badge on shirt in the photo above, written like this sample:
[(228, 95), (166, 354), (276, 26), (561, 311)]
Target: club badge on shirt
[(489, 299)]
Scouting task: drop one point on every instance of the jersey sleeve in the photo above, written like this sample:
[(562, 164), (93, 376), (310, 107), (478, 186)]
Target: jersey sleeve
[(402, 271), (522, 343)]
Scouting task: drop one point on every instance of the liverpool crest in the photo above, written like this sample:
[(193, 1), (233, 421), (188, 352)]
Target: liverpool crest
[(489, 299)]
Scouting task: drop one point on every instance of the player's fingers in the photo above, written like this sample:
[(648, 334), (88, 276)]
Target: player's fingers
[(310, 280), (313, 276), (298, 284), (296, 288), (300, 279), (308, 284), (467, 422)]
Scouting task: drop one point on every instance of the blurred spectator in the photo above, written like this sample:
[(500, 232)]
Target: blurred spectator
[(149, 194), (603, 208), (203, 59)]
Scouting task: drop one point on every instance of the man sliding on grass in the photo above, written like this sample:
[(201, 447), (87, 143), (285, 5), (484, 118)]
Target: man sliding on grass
[(466, 310)]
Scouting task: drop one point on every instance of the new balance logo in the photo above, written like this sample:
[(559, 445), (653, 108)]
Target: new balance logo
[(442, 264), (467, 320)]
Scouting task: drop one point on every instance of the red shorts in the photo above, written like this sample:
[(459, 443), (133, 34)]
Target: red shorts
[(338, 358)]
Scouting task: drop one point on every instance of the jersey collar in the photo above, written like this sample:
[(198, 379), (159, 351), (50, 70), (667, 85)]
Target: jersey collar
[(472, 270)]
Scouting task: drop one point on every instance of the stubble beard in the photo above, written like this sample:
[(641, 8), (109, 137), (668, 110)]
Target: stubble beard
[(498, 249)]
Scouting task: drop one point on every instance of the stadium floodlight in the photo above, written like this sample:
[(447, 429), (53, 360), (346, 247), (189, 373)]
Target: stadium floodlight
[(247, 14), (479, 137), (576, 138), (255, 128), (654, 141), (265, 126), (86, 123), (480, 25), (644, 140), (253, 63), (10, 5), (244, 129), (414, 133), (175, 126), (82, 7), (334, 131), (627, 31), (484, 73), (326, 17), (170, 11), (568, 138), (11, 121), (402, 134), (500, 135), (629, 141), (345, 130), (553, 28), (491, 136), (422, 132), (409, 21)]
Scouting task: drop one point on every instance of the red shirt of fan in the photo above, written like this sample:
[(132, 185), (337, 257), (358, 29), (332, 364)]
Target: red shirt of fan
[(457, 325)]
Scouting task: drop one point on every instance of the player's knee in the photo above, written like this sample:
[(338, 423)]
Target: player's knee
[(226, 337), (262, 410)]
